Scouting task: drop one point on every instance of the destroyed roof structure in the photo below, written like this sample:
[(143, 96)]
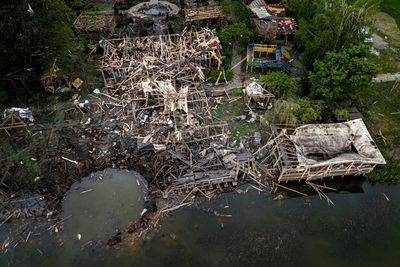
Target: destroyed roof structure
[(259, 8), (88, 23), (166, 68), (54, 82), (14, 118), (271, 21), (153, 88), (203, 13), (316, 151), (179, 58), (276, 10)]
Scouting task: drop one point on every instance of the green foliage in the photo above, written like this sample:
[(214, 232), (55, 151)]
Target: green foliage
[(282, 112), (214, 74), (235, 12), (47, 31), (304, 9), (392, 7), (309, 111), (301, 111), (280, 84), (342, 76), (236, 33), (380, 110), (331, 27), (342, 113)]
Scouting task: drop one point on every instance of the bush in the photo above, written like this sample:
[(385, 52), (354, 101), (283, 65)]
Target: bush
[(301, 111), (309, 111), (342, 113), (280, 84), (214, 74), (282, 112), (236, 33)]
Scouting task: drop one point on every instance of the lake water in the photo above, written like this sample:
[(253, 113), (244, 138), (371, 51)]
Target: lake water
[(361, 229)]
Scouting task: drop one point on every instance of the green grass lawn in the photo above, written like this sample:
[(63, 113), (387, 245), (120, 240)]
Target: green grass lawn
[(382, 117), (392, 7), (229, 111)]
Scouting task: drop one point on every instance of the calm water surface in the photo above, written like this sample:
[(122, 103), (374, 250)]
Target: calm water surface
[(362, 229)]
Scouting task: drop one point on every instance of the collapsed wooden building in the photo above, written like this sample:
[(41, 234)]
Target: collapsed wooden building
[(179, 58), (154, 91), (316, 151), (271, 21), (92, 23), (155, 82)]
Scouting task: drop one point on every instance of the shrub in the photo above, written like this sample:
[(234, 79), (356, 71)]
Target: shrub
[(280, 84)]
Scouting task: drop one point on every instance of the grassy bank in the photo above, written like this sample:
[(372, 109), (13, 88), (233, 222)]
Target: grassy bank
[(392, 7), (382, 116)]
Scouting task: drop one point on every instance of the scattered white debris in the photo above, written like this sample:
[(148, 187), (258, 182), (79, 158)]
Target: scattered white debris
[(30, 10), (23, 113), (86, 191), (254, 89), (143, 212)]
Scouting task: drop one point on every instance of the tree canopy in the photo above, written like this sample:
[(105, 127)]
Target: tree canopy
[(326, 26), (33, 27), (235, 33), (235, 12), (341, 76)]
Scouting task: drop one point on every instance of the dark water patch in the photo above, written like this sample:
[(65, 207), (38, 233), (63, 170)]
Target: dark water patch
[(252, 230), (103, 203)]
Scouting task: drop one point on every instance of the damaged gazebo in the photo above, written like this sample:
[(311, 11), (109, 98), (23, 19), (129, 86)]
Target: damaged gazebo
[(316, 151)]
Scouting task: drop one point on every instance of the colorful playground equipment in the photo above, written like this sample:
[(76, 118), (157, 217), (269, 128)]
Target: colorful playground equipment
[(267, 57)]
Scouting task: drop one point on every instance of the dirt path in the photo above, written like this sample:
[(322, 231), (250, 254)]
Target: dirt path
[(387, 77), (237, 79)]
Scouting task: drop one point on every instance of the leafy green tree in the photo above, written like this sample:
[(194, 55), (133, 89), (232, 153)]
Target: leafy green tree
[(304, 9), (280, 84), (346, 75), (301, 111), (332, 26), (236, 33), (235, 11), (33, 27)]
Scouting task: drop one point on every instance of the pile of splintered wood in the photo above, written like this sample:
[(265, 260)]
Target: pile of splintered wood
[(154, 94), (203, 13), (179, 58), (95, 23)]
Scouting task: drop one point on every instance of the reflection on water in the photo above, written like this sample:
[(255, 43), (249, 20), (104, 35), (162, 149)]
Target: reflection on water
[(101, 204), (360, 230)]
